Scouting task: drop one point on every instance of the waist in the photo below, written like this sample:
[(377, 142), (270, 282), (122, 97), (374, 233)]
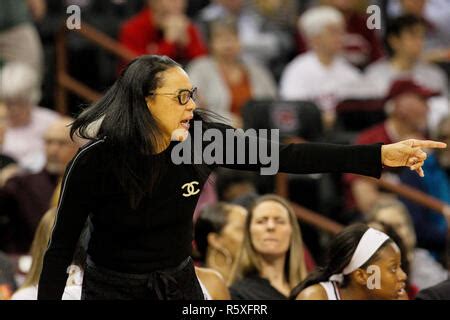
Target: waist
[(138, 276)]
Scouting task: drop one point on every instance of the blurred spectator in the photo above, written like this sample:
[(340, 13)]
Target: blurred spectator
[(218, 236), (163, 28), (424, 271), (8, 166), (7, 281), (232, 184), (440, 291), (213, 284), (266, 28), (404, 39), (225, 82), (361, 44), (26, 197), (407, 118), (19, 40), (29, 289), (271, 261), (20, 91), (321, 75), (436, 15)]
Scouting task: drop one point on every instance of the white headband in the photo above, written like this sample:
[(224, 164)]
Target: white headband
[(369, 243)]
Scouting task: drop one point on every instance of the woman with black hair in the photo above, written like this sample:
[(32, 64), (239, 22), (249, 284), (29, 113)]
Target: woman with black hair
[(362, 264), (140, 201)]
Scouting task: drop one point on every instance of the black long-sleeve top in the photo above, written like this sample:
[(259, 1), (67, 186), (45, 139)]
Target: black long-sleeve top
[(158, 234)]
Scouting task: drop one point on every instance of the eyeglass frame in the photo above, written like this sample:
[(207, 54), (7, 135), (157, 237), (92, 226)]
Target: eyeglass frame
[(192, 93)]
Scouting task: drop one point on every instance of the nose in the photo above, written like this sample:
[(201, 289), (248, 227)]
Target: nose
[(270, 224), (191, 105), (402, 276)]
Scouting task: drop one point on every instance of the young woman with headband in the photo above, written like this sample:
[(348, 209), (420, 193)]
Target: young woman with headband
[(363, 264), (140, 202)]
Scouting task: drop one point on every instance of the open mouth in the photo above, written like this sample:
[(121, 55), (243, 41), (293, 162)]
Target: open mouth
[(401, 291)]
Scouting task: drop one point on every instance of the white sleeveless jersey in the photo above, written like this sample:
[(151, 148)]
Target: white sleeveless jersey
[(331, 289)]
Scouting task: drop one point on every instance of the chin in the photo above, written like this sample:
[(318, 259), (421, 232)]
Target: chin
[(179, 134)]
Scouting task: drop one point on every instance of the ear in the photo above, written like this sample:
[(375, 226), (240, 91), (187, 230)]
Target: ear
[(148, 100), (360, 277), (214, 240)]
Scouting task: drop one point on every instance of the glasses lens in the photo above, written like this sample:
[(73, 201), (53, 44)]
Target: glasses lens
[(185, 96)]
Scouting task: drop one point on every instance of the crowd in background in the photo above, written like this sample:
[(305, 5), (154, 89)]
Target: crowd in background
[(311, 68)]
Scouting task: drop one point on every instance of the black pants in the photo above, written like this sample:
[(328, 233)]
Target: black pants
[(179, 283)]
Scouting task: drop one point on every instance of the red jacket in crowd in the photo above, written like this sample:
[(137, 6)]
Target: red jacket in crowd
[(140, 35)]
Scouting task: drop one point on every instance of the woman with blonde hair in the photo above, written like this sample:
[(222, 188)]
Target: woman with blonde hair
[(271, 261), (29, 289)]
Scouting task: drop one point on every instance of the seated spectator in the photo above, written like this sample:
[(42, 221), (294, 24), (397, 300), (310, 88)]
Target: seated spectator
[(29, 289), (19, 90), (163, 28), (213, 284), (225, 82), (404, 38), (321, 75), (218, 236), (19, 40), (7, 281), (271, 261), (361, 44), (407, 118), (424, 270), (436, 15), (232, 184), (265, 28), (349, 271), (26, 197), (8, 166), (440, 291)]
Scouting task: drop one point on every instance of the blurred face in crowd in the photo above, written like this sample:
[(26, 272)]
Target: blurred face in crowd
[(19, 112), (3, 120), (330, 40), (225, 43), (412, 110), (343, 5), (233, 6), (172, 117), (392, 280), (162, 8), (270, 229), (392, 216), (409, 43), (414, 7), (59, 148), (232, 234)]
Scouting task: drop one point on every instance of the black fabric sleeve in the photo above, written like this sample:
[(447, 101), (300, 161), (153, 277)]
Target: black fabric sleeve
[(72, 212), (299, 158)]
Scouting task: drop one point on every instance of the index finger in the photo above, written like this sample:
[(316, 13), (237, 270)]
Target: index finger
[(429, 144)]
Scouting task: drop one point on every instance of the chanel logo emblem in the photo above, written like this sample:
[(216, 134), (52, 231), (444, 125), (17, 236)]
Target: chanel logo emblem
[(190, 189)]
